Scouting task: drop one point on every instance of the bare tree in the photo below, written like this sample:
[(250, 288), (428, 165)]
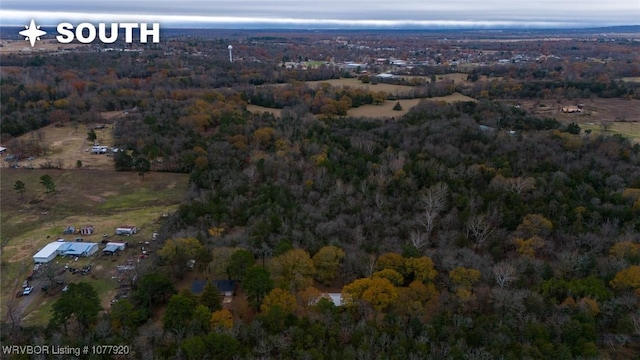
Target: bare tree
[(520, 184), (504, 274), (50, 271), (479, 228), (379, 199), (434, 201), (418, 240), (368, 265), (635, 319), (616, 342)]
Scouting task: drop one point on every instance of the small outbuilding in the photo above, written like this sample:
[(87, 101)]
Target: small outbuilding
[(86, 230), (335, 298), (126, 230), (113, 247), (110, 250)]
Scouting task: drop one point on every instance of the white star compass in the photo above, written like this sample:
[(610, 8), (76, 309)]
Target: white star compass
[(32, 33)]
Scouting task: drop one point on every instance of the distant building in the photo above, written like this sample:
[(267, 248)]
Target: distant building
[(354, 66), (571, 109), (126, 230), (386, 76), (99, 149), (113, 247), (486, 128), (335, 298), (87, 230)]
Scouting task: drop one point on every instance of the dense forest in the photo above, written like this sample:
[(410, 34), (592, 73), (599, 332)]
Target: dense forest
[(470, 230)]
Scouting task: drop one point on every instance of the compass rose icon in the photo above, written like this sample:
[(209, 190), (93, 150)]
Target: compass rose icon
[(32, 33)]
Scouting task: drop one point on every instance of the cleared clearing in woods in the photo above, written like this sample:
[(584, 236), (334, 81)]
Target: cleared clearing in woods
[(384, 110), (105, 199)]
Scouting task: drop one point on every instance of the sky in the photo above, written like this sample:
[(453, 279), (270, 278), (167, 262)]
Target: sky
[(329, 13)]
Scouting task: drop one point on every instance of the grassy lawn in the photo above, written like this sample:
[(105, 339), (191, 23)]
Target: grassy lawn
[(629, 130)]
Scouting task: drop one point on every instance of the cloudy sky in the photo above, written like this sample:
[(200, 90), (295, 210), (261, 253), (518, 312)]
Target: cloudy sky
[(329, 13)]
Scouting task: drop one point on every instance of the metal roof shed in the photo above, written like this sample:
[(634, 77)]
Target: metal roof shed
[(110, 249), (47, 253), (79, 249)]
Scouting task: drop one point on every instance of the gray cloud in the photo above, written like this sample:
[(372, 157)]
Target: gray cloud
[(611, 12)]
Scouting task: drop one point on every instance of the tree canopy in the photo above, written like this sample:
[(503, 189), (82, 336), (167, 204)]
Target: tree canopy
[(79, 302)]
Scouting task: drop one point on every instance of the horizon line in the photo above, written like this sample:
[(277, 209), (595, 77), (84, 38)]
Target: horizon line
[(48, 19), (269, 26)]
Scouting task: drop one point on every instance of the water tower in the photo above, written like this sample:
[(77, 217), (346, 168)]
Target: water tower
[(230, 56)]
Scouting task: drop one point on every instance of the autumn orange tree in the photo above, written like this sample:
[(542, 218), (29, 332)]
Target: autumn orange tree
[(463, 279), (421, 268), (178, 252), (531, 234), (392, 261), (395, 277), (378, 292), (281, 298), (293, 270), (628, 278), (417, 300), (221, 319), (327, 263), (277, 308), (308, 297), (626, 250)]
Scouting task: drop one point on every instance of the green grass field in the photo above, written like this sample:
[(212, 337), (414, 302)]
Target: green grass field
[(629, 130)]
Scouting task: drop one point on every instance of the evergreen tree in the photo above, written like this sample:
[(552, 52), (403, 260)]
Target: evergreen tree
[(210, 297), (20, 188)]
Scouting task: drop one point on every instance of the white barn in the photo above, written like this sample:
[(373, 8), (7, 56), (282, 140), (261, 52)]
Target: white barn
[(126, 230), (47, 253), (119, 245)]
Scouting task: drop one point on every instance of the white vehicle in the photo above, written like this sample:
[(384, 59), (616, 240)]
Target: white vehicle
[(27, 290)]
